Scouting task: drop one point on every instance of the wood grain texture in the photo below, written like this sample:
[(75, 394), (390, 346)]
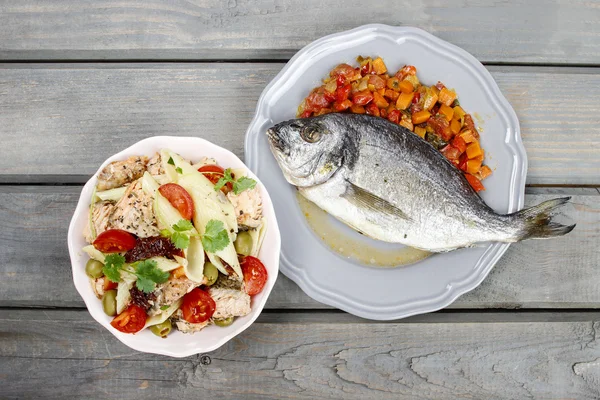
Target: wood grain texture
[(296, 357), (67, 119), (536, 274), (538, 31)]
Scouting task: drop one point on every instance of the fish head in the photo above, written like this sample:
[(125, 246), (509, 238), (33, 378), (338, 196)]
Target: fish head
[(308, 150)]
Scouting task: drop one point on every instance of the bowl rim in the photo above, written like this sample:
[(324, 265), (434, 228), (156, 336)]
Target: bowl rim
[(86, 292), (513, 141)]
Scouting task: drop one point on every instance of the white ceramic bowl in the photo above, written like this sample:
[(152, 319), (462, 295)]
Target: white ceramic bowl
[(435, 282), (176, 344)]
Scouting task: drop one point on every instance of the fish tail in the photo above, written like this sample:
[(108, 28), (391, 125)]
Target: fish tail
[(536, 222)]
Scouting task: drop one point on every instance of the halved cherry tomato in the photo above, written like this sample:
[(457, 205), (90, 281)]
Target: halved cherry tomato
[(394, 116), (255, 275), (213, 173), (109, 285), (131, 320), (362, 98), (114, 241), (197, 306), (475, 183), (179, 198), (342, 93)]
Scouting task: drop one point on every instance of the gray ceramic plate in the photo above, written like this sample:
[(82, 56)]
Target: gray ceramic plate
[(431, 284)]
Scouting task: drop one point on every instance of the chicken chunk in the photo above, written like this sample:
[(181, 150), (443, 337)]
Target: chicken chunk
[(154, 165), (187, 327), (230, 302), (100, 219), (172, 290), (134, 213), (98, 286), (247, 206), (119, 173)]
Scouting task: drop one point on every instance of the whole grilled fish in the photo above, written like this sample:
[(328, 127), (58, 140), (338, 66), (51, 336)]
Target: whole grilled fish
[(386, 182)]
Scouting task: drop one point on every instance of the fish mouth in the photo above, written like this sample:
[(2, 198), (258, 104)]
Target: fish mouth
[(276, 142)]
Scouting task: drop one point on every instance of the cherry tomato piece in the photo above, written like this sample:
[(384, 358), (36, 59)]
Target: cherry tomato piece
[(179, 198), (131, 320), (362, 98), (109, 285), (114, 241), (342, 93), (197, 306), (255, 275), (213, 173), (394, 116)]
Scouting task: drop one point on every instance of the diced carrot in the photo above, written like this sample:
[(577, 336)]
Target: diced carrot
[(344, 105), (379, 66), (380, 101), (356, 109), (178, 273), (448, 112), (473, 166), (406, 87), (473, 150), (420, 131), (459, 143), (435, 89), (381, 91), (404, 100), (479, 157), (475, 183), (468, 136), (454, 126), (420, 117), (446, 97), (485, 171), (391, 94)]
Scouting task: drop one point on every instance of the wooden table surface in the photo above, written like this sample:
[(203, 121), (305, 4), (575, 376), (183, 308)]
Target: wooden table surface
[(80, 80)]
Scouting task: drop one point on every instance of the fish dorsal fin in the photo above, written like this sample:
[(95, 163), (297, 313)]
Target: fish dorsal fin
[(363, 198)]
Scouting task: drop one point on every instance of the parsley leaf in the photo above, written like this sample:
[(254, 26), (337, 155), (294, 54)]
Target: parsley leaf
[(183, 225), (242, 184), (239, 185), (180, 240), (171, 161), (224, 180), (215, 236), (148, 275), (179, 170), (112, 266), (165, 307), (165, 233)]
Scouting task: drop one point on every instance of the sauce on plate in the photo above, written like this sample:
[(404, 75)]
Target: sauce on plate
[(350, 244)]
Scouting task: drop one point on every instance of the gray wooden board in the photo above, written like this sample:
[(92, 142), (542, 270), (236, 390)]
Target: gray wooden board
[(67, 355), (66, 119), (538, 31), (561, 273)]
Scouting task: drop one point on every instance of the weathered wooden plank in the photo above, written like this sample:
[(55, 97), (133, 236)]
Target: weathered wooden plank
[(70, 118), (35, 268), (561, 32), (50, 354)]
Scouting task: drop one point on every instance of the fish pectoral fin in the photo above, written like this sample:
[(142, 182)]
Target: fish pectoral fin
[(363, 198)]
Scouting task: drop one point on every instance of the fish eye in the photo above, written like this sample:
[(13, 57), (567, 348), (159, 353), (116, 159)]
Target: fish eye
[(310, 134)]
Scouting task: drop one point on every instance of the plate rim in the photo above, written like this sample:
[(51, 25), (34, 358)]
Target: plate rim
[(126, 339), (517, 184)]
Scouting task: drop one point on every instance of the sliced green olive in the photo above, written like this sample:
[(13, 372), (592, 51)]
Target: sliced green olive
[(223, 322), (162, 329), (211, 273), (109, 303), (93, 268), (243, 243)]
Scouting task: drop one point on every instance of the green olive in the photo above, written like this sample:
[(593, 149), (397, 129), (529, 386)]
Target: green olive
[(243, 243), (162, 329), (109, 302), (93, 268), (223, 322), (211, 273)]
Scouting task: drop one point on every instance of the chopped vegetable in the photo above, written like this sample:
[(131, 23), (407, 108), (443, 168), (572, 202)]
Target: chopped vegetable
[(446, 97), (420, 117), (404, 100)]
